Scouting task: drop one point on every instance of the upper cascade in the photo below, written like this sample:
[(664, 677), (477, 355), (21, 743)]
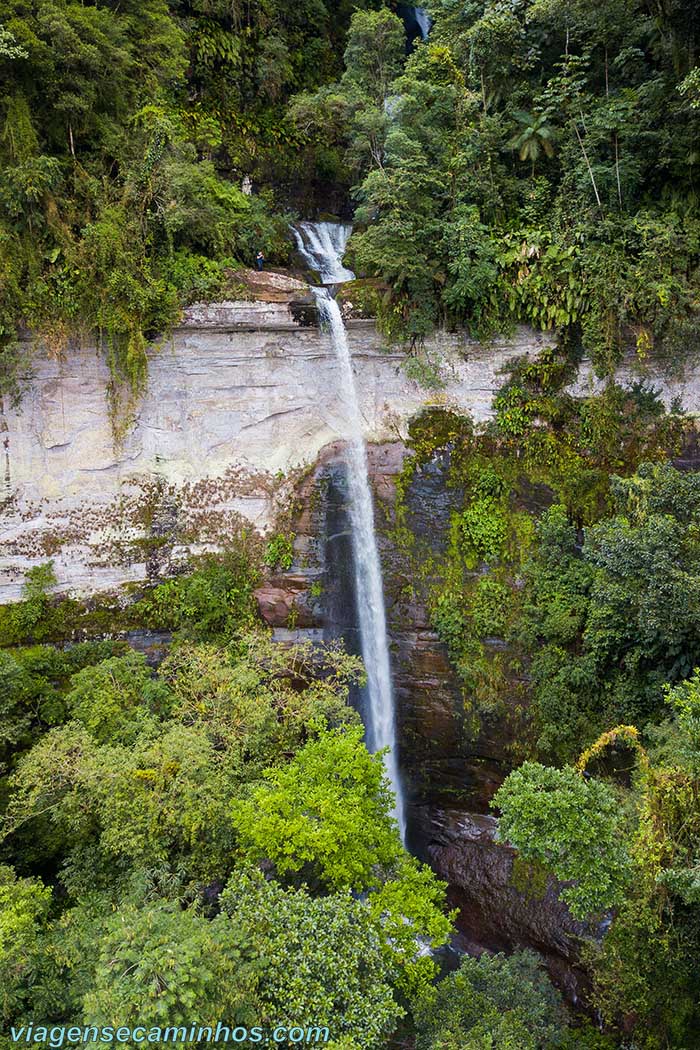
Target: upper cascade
[(423, 20), (322, 246)]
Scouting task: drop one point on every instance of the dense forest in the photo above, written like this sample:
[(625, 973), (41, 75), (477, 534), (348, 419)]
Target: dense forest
[(210, 840), (532, 161)]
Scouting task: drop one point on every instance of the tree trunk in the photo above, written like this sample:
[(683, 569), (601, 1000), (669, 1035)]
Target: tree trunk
[(588, 163), (617, 171)]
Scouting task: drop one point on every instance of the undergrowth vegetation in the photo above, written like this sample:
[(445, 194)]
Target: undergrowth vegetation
[(563, 582)]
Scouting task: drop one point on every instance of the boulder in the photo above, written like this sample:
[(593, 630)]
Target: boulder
[(270, 286)]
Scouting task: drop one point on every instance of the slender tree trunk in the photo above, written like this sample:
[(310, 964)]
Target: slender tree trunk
[(615, 139), (588, 163)]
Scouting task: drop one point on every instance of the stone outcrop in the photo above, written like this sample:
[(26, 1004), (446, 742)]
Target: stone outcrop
[(270, 286), (501, 907), (240, 398)]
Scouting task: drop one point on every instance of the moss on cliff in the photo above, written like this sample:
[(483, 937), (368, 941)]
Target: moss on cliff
[(469, 566)]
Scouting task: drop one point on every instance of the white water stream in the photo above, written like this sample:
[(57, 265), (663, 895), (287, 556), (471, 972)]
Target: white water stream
[(322, 246), (423, 20)]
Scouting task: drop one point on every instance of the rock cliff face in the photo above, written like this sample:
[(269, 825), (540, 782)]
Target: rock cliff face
[(242, 413), (450, 767), (239, 399)]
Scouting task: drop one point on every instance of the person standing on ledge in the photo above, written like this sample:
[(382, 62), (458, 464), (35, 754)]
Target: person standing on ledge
[(260, 261)]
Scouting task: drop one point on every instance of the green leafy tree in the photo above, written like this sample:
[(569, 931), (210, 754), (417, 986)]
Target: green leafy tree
[(326, 815), (374, 52), (326, 818), (324, 964), (161, 965), (494, 1001), (24, 907), (112, 699), (534, 138), (571, 825)]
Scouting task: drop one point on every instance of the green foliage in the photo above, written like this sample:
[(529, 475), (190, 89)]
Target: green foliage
[(494, 1001), (124, 134), (279, 552), (127, 809), (483, 531), (374, 52), (15, 371), (25, 620), (323, 960), (593, 617), (462, 230), (325, 818), (648, 961), (33, 683), (532, 162), (490, 607), (534, 138), (508, 585), (160, 964), (570, 824), (111, 699), (196, 277), (148, 772), (215, 601), (609, 618), (298, 823), (24, 906), (678, 739)]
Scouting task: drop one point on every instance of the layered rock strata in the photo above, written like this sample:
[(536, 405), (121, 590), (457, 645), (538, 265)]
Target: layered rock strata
[(240, 398)]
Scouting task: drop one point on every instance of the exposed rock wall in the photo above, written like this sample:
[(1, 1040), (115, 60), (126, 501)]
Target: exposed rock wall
[(451, 766), (501, 907), (239, 398)]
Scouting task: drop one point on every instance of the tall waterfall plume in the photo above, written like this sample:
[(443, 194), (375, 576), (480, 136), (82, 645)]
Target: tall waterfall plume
[(322, 246)]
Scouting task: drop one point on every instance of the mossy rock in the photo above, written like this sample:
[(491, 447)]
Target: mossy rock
[(361, 298)]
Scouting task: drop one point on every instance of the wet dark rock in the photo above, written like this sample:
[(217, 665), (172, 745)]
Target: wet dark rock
[(304, 313), (500, 911), (430, 502), (153, 644), (689, 455)]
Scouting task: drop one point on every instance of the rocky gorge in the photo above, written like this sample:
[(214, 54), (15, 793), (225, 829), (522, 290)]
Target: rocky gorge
[(240, 424)]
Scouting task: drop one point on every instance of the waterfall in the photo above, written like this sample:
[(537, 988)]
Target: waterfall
[(322, 246), (423, 20)]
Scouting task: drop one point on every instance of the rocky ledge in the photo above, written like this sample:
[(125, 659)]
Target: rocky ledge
[(240, 398), (502, 903)]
